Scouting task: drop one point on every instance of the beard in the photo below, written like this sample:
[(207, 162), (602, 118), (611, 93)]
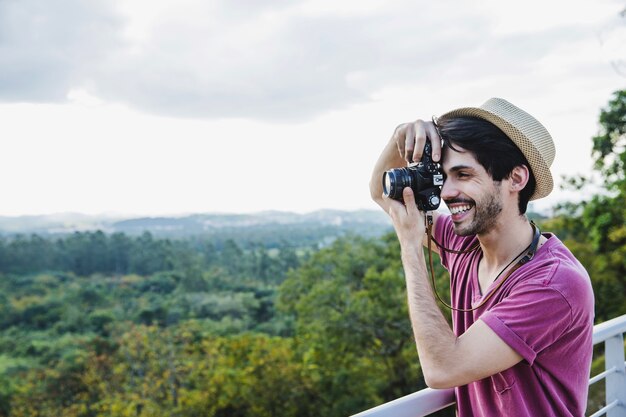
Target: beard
[(486, 212)]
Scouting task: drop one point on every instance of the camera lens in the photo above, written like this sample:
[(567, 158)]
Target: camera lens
[(394, 181), (387, 183)]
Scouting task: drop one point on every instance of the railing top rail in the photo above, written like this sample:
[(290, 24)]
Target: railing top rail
[(608, 329), (419, 403)]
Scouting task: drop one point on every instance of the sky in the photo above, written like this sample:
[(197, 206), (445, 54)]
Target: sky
[(162, 107)]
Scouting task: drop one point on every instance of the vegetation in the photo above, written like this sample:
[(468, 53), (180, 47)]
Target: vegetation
[(595, 229), (97, 325), (179, 328)]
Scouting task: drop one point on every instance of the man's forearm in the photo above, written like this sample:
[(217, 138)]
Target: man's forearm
[(434, 339), (389, 158)]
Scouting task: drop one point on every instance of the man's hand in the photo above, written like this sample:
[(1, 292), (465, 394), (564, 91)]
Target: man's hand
[(408, 220), (410, 139), (406, 145)]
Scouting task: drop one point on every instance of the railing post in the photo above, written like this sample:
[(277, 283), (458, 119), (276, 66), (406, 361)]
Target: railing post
[(615, 381)]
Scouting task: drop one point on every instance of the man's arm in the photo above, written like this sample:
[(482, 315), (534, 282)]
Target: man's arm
[(406, 145), (446, 360), (391, 157)]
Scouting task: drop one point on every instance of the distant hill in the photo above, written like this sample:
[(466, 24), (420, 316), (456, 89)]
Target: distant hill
[(53, 223), (262, 226)]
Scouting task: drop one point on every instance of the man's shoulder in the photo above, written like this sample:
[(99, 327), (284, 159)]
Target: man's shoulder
[(562, 261), (557, 268)]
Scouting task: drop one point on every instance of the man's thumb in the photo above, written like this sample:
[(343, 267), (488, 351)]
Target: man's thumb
[(409, 199)]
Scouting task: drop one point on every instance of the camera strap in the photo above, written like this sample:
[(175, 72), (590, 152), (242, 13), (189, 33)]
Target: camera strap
[(429, 226), (528, 254)]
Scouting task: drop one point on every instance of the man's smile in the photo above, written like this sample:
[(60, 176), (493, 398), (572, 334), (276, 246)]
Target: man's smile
[(460, 209)]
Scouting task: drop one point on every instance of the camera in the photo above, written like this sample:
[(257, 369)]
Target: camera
[(424, 177)]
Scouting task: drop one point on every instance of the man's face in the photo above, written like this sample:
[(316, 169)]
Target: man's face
[(470, 193)]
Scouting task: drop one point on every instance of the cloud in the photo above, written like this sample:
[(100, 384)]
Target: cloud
[(47, 47), (280, 60)]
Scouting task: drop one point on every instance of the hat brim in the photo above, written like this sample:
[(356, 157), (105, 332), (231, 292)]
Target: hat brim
[(538, 166)]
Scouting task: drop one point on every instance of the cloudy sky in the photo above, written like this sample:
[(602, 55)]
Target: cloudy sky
[(170, 107)]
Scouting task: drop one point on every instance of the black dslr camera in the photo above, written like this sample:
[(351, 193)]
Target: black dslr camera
[(424, 177)]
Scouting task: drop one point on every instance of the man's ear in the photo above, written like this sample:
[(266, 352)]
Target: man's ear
[(519, 178)]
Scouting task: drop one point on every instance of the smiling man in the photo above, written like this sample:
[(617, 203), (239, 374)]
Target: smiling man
[(521, 341)]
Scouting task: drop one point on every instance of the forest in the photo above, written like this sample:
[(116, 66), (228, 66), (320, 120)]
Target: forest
[(101, 325)]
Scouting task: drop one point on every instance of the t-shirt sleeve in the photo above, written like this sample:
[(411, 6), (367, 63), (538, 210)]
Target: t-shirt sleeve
[(530, 319)]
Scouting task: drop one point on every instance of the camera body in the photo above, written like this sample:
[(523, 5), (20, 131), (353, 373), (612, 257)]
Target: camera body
[(424, 177)]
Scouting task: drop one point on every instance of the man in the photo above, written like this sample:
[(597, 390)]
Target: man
[(521, 342)]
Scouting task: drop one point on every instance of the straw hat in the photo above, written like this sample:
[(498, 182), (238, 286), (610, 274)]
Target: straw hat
[(525, 131)]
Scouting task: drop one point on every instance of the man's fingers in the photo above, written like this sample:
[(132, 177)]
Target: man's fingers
[(409, 143), (435, 141), (420, 140), (398, 137), (411, 138), (406, 218), (395, 208), (409, 199)]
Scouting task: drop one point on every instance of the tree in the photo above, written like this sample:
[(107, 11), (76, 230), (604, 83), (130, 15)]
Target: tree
[(609, 146), (595, 230), (352, 324)]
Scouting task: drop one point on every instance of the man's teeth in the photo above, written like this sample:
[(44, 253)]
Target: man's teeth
[(460, 209)]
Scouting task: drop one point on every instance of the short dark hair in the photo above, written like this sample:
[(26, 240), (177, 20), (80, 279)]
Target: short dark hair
[(491, 147)]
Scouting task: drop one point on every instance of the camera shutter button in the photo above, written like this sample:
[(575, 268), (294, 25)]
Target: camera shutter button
[(433, 200)]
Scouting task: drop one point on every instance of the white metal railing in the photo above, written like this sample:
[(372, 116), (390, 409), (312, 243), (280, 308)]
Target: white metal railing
[(428, 401), (612, 334)]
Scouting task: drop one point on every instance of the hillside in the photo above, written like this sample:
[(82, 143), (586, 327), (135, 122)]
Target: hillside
[(362, 222)]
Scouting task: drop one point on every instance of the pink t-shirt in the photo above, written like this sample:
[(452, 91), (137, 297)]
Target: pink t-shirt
[(544, 311)]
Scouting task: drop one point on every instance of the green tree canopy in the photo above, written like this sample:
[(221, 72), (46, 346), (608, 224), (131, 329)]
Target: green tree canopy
[(595, 229)]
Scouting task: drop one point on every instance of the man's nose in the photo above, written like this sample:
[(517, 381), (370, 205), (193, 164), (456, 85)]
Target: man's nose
[(448, 190)]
